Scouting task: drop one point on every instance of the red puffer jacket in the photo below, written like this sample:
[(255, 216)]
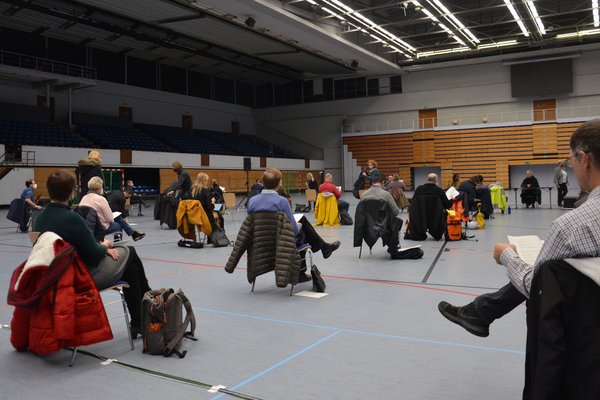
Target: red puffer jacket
[(56, 301)]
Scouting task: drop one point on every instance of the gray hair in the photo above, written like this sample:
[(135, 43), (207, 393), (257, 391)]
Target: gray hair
[(328, 176), (432, 178), (96, 185)]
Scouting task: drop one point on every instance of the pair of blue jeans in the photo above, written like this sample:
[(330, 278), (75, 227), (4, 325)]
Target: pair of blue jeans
[(120, 224)]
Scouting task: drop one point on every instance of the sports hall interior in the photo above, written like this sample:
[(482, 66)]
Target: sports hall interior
[(231, 88)]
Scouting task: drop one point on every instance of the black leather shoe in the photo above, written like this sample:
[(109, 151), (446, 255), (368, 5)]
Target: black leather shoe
[(137, 236), (330, 248), (466, 317)]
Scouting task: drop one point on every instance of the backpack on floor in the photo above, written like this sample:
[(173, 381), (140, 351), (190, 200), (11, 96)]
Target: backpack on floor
[(220, 239), (345, 218), (454, 223), (163, 325)]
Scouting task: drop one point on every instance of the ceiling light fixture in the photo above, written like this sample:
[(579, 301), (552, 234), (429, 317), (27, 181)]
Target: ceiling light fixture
[(578, 34), (444, 51), (536, 17), (438, 5), (341, 11), (595, 12), (496, 44), (516, 16)]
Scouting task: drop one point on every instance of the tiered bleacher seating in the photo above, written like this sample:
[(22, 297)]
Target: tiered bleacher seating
[(145, 190), (275, 151), (182, 141), (242, 145), (114, 137), (37, 134)]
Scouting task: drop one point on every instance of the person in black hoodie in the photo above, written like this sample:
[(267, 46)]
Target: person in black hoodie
[(87, 168)]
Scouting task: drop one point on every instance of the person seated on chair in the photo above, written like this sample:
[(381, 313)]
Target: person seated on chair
[(29, 201), (134, 198), (530, 190), (572, 235), (183, 184), (95, 199), (468, 188), (329, 187), (201, 191), (377, 192), (256, 188), (396, 188), (427, 211), (106, 264), (270, 201)]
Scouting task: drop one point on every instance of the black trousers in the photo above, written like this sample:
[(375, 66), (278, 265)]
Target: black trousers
[(491, 306), (562, 192), (310, 236)]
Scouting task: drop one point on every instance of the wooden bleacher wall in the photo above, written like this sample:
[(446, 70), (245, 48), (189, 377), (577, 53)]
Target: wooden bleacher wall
[(486, 151)]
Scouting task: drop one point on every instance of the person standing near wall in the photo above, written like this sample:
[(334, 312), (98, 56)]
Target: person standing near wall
[(87, 168), (561, 180)]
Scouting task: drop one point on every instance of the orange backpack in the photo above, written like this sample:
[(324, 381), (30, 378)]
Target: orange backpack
[(454, 229)]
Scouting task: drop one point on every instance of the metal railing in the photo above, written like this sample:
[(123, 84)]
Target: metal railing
[(371, 126), (27, 157), (46, 65)]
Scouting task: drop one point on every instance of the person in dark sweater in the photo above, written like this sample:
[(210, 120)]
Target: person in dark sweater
[(201, 191), (184, 182), (87, 168), (106, 264)]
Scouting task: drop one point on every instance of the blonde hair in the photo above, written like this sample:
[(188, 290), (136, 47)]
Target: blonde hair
[(96, 185), (310, 177), (95, 154), (202, 181)]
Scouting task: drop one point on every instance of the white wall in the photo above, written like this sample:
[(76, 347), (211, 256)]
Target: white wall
[(473, 91), (13, 184)]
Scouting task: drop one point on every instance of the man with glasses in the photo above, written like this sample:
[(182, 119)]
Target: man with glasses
[(575, 234)]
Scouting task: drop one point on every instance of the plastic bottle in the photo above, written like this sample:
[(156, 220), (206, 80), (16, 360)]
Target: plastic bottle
[(509, 209)]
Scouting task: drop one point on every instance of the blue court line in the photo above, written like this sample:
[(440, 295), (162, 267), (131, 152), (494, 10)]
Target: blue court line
[(280, 321), (280, 363), (405, 338)]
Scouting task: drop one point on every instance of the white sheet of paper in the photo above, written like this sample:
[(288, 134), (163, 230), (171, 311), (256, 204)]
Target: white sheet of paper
[(339, 188), (528, 247), (312, 295), (116, 214), (411, 247), (452, 193), (298, 217)]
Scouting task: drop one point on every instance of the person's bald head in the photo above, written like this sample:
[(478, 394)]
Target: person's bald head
[(271, 178), (432, 178)]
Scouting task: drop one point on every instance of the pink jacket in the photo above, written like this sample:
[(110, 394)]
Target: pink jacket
[(100, 204)]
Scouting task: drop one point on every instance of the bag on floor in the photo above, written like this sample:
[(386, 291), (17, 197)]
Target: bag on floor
[(220, 239), (302, 208), (318, 282), (455, 219), (163, 325), (345, 218), (411, 253)]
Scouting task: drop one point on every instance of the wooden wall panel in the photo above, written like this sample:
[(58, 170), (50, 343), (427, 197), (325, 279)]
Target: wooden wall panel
[(41, 174), (487, 151)]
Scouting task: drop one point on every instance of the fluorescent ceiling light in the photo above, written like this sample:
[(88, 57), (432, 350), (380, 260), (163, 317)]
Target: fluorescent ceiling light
[(444, 51), (515, 15), (595, 12), (578, 34), (497, 44), (459, 25), (536, 16)]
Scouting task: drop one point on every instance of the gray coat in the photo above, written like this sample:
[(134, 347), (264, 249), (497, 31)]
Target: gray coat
[(269, 239)]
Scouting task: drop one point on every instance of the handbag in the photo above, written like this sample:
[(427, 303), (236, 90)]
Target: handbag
[(318, 282)]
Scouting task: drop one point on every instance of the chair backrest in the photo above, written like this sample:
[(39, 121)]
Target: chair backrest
[(90, 216), (311, 195), (229, 199)]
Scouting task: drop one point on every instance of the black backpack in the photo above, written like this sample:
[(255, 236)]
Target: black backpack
[(220, 239), (345, 218), (163, 325)]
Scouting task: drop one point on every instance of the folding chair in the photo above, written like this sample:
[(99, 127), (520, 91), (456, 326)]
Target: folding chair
[(311, 196), (229, 199), (306, 260), (118, 287)]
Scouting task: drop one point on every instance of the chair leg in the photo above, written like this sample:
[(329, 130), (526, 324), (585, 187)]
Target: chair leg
[(126, 315), (292, 291), (253, 282), (360, 251), (73, 357)]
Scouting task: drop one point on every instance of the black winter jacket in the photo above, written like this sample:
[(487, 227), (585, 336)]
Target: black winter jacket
[(86, 169), (373, 220), (271, 244)]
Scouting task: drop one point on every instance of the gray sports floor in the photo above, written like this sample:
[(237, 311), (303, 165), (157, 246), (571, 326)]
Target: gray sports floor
[(376, 335)]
